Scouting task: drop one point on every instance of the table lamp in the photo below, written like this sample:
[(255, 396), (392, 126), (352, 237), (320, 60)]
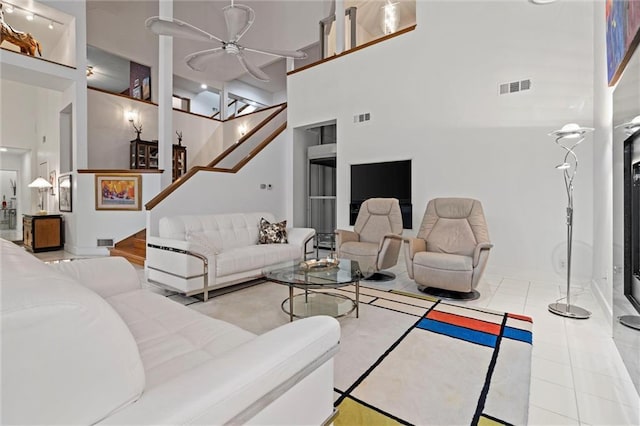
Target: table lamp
[(42, 186)]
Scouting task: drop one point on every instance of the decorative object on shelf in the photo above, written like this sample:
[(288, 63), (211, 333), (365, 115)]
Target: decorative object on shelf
[(13, 186), (143, 154), (118, 192), (623, 35), (239, 19), (42, 185), (64, 191), (25, 41), (179, 138), (568, 138)]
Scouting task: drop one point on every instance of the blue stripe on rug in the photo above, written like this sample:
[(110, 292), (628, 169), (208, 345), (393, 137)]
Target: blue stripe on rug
[(517, 334), (473, 336)]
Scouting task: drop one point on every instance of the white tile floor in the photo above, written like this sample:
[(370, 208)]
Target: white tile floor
[(578, 377)]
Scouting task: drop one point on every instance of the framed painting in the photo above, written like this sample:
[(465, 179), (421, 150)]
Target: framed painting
[(623, 35), (118, 192), (64, 194)]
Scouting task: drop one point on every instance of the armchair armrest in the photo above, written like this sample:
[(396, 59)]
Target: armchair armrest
[(413, 246), (236, 385), (344, 236), (478, 250), (389, 236)]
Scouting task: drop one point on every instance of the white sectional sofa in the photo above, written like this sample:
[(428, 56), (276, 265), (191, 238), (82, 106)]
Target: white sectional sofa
[(197, 253), (83, 343)]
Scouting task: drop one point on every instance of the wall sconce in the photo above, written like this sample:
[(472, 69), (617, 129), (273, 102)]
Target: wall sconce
[(390, 18), (42, 186), (89, 70), (242, 129), (130, 116)]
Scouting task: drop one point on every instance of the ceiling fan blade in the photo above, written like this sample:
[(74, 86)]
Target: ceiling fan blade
[(253, 70), (198, 61), (295, 54), (178, 28), (238, 18)]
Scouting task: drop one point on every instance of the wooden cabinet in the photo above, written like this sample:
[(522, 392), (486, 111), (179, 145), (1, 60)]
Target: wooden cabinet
[(143, 154), (179, 165), (43, 232)]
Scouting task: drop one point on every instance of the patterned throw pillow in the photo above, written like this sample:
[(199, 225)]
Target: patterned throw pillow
[(272, 233)]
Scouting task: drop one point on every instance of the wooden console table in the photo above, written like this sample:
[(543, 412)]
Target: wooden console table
[(42, 232)]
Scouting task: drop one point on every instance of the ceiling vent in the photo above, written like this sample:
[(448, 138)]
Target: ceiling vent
[(514, 86)]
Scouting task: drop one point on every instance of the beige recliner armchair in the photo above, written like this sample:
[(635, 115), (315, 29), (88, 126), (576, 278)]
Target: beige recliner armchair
[(375, 240), (450, 252)]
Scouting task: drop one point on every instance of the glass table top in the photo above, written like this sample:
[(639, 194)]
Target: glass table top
[(312, 275)]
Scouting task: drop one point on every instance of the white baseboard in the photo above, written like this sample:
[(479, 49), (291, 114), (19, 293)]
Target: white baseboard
[(602, 301)]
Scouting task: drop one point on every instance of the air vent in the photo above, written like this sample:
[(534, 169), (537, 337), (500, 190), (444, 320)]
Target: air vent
[(514, 86), (106, 242), (359, 118)]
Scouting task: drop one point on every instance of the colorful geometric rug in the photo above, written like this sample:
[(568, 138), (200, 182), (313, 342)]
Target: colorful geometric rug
[(410, 359), (455, 365)]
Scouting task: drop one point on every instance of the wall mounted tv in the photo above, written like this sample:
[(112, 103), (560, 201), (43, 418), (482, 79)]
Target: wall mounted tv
[(391, 179)]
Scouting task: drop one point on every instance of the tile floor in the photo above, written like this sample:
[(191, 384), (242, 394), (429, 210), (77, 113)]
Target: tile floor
[(578, 377)]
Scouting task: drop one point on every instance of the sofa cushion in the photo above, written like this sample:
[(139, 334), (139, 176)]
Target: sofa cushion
[(254, 257), (272, 233), (172, 339), (225, 231), (57, 347)]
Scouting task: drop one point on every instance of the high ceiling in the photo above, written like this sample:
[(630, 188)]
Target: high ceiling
[(282, 24)]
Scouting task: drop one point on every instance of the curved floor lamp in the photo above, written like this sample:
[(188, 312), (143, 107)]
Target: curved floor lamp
[(571, 134)]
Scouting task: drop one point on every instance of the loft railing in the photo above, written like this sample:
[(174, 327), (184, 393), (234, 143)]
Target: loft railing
[(237, 155)]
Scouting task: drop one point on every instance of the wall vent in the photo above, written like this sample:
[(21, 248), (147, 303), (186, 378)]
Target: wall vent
[(514, 86), (359, 118), (105, 242)]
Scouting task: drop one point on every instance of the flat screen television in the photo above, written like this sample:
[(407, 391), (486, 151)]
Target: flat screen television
[(389, 179), (632, 220)]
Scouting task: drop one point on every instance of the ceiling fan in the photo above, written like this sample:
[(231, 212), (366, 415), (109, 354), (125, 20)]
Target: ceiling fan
[(238, 19)]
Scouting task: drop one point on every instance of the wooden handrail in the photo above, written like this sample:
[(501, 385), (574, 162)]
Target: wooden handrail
[(192, 171), (355, 49), (121, 171), (235, 146)]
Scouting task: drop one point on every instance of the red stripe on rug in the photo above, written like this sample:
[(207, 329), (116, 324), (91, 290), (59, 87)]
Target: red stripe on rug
[(521, 317), (465, 322)]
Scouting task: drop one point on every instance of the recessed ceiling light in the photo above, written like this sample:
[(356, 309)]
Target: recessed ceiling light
[(51, 25), (203, 86), (29, 16)]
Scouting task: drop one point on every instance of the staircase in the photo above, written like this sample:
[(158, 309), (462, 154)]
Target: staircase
[(132, 248)]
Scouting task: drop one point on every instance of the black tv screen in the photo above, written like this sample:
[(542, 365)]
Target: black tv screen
[(390, 179)]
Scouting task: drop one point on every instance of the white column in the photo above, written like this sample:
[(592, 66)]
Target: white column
[(290, 64), (165, 95), (339, 26), (224, 101)]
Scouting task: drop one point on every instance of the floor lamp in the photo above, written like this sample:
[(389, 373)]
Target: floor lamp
[(568, 138)]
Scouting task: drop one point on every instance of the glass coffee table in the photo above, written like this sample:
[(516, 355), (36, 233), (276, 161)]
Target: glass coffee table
[(322, 276)]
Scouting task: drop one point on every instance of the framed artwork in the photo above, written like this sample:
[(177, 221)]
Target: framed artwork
[(52, 181), (118, 192), (623, 35), (146, 89), (64, 194)]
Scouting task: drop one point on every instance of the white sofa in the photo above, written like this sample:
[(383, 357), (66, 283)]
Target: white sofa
[(197, 253), (83, 343)]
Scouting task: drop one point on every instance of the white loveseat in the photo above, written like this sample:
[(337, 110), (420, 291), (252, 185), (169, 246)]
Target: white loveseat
[(83, 343), (197, 253)]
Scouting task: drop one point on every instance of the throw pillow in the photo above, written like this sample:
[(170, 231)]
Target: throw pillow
[(273, 233), (203, 243)]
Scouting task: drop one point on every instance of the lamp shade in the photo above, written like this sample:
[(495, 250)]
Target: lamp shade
[(571, 130), (40, 183)]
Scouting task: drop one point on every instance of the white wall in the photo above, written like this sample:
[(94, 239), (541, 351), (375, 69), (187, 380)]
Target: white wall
[(215, 192), (432, 95)]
